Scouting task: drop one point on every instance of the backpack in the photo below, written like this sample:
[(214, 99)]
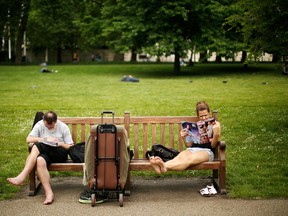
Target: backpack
[(162, 151), (77, 152)]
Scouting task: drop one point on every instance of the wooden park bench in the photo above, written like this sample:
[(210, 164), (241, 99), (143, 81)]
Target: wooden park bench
[(143, 131)]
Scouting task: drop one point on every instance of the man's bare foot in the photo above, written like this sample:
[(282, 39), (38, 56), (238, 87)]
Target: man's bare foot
[(49, 199), (161, 164), (15, 181), (154, 165)]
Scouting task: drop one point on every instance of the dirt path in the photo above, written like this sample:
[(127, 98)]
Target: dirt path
[(162, 196)]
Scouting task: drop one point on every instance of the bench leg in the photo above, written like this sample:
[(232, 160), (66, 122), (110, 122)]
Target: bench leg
[(219, 180), (128, 184), (222, 178), (215, 179), (33, 185)]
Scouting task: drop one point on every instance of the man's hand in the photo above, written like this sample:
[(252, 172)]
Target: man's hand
[(52, 139), (60, 144)]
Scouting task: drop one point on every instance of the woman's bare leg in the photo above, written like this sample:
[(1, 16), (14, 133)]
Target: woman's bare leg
[(155, 166), (185, 159), (181, 162)]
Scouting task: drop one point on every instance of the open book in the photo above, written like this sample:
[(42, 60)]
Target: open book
[(53, 144), (199, 132)]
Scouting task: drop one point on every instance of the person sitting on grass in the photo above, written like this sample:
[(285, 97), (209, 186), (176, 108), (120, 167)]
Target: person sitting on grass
[(49, 131), (195, 153)]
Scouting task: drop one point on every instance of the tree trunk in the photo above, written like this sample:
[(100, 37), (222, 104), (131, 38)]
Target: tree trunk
[(203, 57), (21, 30), (177, 63), (244, 56), (275, 58), (133, 55), (218, 59), (59, 53)]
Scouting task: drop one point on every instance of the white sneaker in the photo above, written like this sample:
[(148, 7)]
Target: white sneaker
[(211, 189), (204, 192), (208, 191)]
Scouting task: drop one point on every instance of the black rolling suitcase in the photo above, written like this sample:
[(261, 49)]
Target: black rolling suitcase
[(106, 160)]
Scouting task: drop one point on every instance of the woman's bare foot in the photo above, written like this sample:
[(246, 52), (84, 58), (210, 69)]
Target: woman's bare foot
[(15, 181), (49, 199), (161, 164), (154, 165)]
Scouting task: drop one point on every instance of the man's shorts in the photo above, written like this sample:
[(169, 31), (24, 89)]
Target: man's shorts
[(52, 154), (196, 149)]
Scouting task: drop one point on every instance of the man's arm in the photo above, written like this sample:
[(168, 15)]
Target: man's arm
[(64, 145), (32, 139)]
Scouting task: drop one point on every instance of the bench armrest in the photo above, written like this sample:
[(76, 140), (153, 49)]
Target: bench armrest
[(222, 145)]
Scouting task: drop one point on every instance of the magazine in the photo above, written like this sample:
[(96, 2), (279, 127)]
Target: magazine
[(199, 132), (50, 143)]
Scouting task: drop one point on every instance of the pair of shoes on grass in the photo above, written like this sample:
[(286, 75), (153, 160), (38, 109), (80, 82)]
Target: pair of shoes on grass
[(208, 191), (85, 197)]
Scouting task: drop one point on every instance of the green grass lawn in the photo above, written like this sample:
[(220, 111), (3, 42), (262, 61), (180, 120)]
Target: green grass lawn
[(254, 116)]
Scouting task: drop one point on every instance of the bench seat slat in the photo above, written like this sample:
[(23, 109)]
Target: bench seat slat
[(66, 167)]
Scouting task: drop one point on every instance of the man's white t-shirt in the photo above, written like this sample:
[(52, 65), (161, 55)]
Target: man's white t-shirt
[(61, 132)]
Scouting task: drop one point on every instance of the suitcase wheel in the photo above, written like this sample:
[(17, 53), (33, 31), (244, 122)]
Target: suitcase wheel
[(93, 200), (121, 199)]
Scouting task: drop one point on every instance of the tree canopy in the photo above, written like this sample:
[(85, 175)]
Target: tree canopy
[(263, 24), (156, 27)]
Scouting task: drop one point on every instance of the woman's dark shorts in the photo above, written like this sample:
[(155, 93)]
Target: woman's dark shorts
[(52, 154)]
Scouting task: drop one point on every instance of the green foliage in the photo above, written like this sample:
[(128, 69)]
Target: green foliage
[(51, 24), (253, 115), (263, 25)]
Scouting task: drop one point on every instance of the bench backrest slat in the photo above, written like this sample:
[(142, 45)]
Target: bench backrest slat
[(143, 130), (136, 141)]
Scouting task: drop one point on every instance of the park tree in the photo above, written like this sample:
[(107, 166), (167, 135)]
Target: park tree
[(215, 35), (23, 19), (263, 24), (14, 15), (90, 26), (167, 27), (52, 25), (146, 24), (5, 25)]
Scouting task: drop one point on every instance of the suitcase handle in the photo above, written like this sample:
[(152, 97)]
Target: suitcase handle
[(107, 112)]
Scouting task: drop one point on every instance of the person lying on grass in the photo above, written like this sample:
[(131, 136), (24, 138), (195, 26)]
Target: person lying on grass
[(43, 135), (195, 153)]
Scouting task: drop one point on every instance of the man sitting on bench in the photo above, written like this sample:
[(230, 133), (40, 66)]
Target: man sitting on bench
[(51, 139)]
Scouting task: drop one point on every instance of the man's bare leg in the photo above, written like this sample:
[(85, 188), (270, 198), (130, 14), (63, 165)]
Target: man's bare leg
[(44, 178), (29, 165)]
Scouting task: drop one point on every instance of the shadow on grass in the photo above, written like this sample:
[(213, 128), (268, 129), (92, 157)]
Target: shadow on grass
[(211, 69)]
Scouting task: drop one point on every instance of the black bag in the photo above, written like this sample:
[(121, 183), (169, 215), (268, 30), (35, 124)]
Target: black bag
[(77, 152), (163, 152), (38, 117)]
